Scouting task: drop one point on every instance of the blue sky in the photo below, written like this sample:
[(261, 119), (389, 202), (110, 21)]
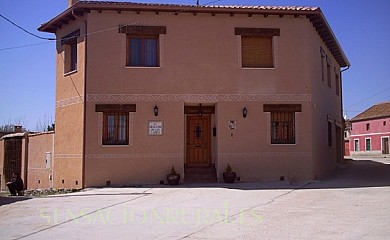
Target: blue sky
[(27, 74)]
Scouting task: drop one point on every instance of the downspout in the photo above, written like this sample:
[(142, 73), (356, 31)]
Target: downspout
[(25, 170), (342, 115), (85, 97), (52, 161)]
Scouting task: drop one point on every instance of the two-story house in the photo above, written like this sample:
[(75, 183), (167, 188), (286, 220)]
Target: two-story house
[(370, 132), (144, 87)]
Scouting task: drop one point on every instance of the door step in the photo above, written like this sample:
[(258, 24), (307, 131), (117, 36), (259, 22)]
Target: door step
[(202, 174)]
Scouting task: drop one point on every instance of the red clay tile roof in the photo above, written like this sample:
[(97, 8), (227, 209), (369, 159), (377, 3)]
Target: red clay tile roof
[(292, 8), (314, 14), (381, 110)]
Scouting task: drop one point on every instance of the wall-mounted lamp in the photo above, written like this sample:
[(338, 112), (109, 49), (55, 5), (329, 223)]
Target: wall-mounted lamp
[(200, 113), (244, 112), (155, 110)]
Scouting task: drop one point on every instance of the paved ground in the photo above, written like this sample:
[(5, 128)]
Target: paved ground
[(353, 203)]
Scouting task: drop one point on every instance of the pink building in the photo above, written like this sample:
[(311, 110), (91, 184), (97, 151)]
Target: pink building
[(144, 87), (370, 132)]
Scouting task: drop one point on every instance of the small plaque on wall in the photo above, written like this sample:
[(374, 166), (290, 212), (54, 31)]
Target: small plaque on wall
[(156, 128), (232, 124)]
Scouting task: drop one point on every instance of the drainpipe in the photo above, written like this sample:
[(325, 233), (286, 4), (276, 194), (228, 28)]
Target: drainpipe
[(342, 115), (52, 162), (25, 160), (85, 97)]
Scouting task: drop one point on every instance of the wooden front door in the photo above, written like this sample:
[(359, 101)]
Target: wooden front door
[(12, 157), (199, 140)]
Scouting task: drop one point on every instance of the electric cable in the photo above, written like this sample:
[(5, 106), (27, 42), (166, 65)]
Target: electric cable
[(364, 99), (26, 31), (92, 33)]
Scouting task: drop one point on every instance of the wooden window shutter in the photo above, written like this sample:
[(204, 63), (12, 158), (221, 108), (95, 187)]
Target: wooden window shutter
[(257, 52)]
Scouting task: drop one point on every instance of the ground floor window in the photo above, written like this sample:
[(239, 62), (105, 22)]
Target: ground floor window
[(330, 137), (282, 127), (115, 128), (356, 145), (115, 123), (282, 122), (368, 144)]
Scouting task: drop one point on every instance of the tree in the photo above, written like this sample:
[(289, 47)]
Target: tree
[(10, 125), (51, 128), (45, 124)]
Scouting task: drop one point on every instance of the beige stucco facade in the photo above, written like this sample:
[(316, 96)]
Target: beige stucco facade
[(199, 63)]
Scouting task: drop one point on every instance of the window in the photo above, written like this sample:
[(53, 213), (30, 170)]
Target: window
[(328, 72), (337, 84), (115, 128), (257, 47), (115, 123), (282, 127), (282, 122), (384, 123), (257, 52), (70, 47), (368, 144), (142, 45), (330, 137), (322, 64), (367, 126), (142, 51), (356, 145), (73, 57)]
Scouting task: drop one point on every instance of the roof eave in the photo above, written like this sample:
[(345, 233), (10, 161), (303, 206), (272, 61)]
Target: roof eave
[(369, 118), (314, 14), (55, 23), (325, 31)]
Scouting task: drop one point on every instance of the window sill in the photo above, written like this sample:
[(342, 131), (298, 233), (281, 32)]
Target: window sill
[(259, 68), (70, 73), (109, 146), (139, 67), (283, 144)]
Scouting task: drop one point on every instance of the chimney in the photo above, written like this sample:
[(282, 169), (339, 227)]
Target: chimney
[(18, 129), (71, 2)]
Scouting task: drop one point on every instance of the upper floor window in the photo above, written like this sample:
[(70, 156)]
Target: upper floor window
[(115, 123), (337, 83), (367, 126), (282, 122), (322, 52), (142, 51), (70, 48), (328, 72), (142, 45), (257, 50)]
